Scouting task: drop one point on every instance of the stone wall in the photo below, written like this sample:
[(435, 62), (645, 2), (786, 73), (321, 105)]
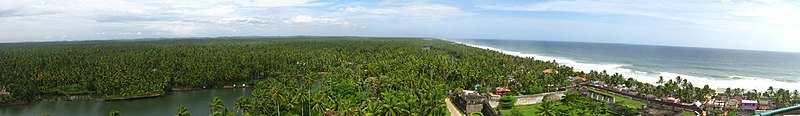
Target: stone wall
[(473, 108), (599, 96), (526, 99)]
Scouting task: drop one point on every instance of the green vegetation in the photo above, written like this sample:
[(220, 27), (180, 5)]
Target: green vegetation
[(521, 110), (182, 111), (685, 91), (114, 113), (72, 89), (780, 98), (573, 104), (507, 102), (627, 102), (305, 76), (679, 88)]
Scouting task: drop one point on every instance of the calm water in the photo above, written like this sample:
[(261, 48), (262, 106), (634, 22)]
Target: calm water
[(196, 101), (716, 67)]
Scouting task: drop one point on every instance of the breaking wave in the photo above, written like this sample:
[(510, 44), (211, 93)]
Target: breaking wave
[(652, 76)]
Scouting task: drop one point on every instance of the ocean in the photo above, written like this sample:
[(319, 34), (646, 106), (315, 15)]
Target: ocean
[(719, 68)]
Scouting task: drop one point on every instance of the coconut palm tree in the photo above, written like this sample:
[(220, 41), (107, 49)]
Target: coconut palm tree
[(182, 111), (114, 113), (548, 108), (769, 92), (242, 104), (216, 105)]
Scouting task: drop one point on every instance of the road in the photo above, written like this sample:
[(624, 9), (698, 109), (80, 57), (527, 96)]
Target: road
[(452, 108)]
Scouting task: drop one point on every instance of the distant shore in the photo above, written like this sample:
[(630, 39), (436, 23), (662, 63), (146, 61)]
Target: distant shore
[(749, 83)]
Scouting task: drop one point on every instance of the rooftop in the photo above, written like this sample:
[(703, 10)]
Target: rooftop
[(749, 101), (548, 71)]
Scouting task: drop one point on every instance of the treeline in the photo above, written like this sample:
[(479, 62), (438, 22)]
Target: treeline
[(678, 88), (780, 97), (683, 89), (300, 75)]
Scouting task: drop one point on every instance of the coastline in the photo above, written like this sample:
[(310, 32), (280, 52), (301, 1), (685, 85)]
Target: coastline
[(748, 83)]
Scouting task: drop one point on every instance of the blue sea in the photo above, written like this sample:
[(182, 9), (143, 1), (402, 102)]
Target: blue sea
[(719, 68)]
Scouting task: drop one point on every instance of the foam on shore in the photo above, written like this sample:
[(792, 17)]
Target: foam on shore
[(747, 83)]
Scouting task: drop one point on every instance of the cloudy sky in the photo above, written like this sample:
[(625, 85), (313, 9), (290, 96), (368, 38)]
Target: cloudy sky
[(755, 25)]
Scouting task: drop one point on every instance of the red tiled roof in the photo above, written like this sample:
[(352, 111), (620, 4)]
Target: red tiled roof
[(548, 71)]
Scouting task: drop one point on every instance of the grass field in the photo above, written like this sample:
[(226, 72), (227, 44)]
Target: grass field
[(531, 110), (527, 110), (619, 99)]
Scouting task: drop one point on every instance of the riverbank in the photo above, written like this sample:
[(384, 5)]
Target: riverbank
[(129, 98), (14, 103), (224, 87), (196, 101), (92, 97)]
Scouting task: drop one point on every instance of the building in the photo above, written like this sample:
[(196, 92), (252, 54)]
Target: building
[(472, 101), (764, 103), (749, 105), (3, 92), (672, 100), (579, 79), (501, 90), (732, 104), (717, 102), (548, 71)]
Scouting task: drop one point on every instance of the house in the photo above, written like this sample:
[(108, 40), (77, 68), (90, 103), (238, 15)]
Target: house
[(672, 100), (229, 86), (501, 90), (732, 104), (737, 98), (697, 104), (580, 79), (548, 71), (718, 102), (599, 83), (749, 105), (764, 103), (470, 101), (3, 92), (711, 105)]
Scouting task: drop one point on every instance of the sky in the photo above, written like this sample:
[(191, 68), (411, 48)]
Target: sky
[(771, 25)]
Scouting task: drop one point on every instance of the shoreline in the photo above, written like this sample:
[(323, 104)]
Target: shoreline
[(101, 99), (14, 103), (130, 98), (749, 83)]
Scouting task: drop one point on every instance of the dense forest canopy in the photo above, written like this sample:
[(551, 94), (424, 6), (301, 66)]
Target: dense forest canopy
[(395, 75)]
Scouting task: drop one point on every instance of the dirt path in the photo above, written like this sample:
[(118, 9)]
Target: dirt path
[(452, 108)]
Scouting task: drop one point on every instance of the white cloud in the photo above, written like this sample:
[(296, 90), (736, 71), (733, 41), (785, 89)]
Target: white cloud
[(217, 10), (278, 3), (22, 20), (303, 19), (774, 13), (407, 11)]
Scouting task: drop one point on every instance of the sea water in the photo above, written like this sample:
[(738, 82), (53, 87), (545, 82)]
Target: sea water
[(718, 68)]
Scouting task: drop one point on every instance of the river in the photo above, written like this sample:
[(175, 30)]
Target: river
[(196, 101)]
